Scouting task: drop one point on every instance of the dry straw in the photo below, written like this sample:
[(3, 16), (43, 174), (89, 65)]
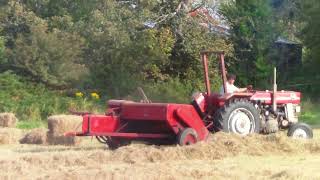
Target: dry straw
[(60, 124), (35, 136), (10, 135), (7, 120)]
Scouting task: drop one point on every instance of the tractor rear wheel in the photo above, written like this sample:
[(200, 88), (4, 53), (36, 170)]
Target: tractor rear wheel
[(300, 130), (187, 136), (238, 116)]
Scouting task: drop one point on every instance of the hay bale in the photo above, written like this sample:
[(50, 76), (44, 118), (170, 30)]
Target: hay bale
[(10, 135), (60, 124), (7, 120), (35, 136)]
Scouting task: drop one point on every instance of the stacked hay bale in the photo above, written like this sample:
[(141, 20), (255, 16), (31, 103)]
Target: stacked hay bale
[(9, 134), (8, 120), (60, 124), (35, 136)]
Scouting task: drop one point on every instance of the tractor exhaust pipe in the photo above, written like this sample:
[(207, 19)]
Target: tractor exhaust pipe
[(274, 98)]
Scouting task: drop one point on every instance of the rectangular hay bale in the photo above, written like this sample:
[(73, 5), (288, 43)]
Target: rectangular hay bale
[(35, 136), (8, 120), (10, 135), (60, 124)]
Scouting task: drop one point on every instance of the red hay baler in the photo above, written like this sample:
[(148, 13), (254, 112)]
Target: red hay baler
[(157, 122), (169, 123)]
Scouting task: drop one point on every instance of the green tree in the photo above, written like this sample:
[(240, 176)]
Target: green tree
[(310, 33), (2, 50), (119, 41), (310, 36), (48, 56), (253, 31), (288, 13)]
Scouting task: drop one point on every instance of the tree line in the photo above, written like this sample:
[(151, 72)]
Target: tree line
[(115, 46)]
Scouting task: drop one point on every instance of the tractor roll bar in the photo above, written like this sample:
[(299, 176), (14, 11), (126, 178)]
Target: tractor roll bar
[(204, 57)]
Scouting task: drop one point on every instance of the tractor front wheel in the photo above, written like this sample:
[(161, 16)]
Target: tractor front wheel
[(187, 136), (300, 131), (238, 116)]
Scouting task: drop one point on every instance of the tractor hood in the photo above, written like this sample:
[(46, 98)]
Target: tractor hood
[(282, 97)]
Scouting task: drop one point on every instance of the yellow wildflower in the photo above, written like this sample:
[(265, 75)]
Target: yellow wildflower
[(79, 94), (95, 95)]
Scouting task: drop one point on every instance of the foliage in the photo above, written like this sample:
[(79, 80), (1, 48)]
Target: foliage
[(2, 49), (311, 37), (112, 47), (300, 24), (33, 102), (253, 33), (31, 124), (50, 57), (174, 91), (310, 32), (310, 112)]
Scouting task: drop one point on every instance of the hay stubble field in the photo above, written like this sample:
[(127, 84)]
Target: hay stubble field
[(224, 156)]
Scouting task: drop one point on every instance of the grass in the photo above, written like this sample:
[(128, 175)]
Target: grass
[(31, 124), (310, 112), (33, 103)]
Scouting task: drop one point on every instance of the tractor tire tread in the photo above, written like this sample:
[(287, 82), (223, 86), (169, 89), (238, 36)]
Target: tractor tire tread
[(303, 126), (221, 115)]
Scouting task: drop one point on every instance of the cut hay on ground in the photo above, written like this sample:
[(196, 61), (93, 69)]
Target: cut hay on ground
[(224, 156), (10, 135), (35, 136), (60, 124), (219, 146), (7, 120)]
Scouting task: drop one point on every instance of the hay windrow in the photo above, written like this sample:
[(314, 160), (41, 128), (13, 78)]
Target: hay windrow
[(221, 156), (60, 124), (219, 146), (35, 136), (8, 120)]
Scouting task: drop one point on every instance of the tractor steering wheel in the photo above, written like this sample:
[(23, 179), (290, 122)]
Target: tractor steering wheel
[(249, 88)]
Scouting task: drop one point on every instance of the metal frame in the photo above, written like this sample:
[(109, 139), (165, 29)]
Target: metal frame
[(204, 58)]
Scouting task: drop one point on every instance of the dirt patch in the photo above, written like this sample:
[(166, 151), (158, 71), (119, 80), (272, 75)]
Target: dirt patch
[(60, 124), (10, 135), (8, 120), (35, 136)]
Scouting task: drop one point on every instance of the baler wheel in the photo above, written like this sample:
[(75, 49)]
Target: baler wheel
[(187, 136), (300, 130), (238, 116)]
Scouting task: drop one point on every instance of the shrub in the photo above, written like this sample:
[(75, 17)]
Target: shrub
[(34, 103)]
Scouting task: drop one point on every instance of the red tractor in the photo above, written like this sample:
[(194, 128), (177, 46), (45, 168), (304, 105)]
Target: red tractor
[(168, 123)]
